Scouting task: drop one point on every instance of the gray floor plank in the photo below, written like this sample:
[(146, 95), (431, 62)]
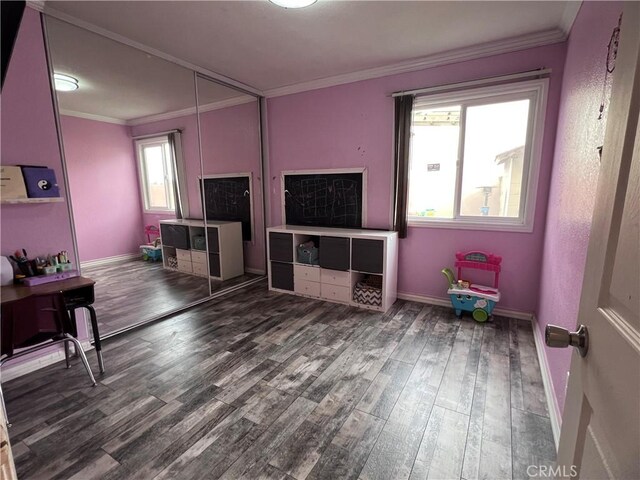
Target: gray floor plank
[(346, 454), (532, 441), (381, 396)]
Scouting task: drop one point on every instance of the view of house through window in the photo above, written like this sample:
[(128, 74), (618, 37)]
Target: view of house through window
[(469, 159), (156, 172)]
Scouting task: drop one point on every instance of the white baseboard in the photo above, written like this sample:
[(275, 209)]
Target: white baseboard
[(9, 371), (255, 271), (549, 391), (108, 260), (445, 302)]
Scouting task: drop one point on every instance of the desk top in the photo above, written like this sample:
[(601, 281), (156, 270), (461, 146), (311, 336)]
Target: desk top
[(11, 293)]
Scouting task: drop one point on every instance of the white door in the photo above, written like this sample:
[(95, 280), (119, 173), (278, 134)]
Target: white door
[(600, 436)]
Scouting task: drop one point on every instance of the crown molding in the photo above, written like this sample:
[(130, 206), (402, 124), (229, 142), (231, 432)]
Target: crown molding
[(445, 58), (92, 116), (209, 107), (36, 5), (230, 102), (569, 15)]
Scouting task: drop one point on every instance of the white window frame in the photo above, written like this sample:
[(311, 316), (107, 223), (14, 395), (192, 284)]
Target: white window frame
[(536, 92), (142, 175)]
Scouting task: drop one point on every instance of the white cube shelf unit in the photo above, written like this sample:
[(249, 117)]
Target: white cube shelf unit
[(184, 247), (347, 257)]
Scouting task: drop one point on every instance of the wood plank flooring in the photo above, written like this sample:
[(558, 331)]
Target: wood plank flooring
[(263, 385), (132, 291)]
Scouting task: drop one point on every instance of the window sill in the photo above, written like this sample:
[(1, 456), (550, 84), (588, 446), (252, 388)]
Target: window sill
[(160, 212), (471, 225)]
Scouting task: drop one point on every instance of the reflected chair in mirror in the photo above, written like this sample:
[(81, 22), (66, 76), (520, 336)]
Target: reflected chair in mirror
[(34, 323)]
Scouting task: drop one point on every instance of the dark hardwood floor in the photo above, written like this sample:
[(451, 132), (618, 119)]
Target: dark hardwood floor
[(133, 291), (264, 385)]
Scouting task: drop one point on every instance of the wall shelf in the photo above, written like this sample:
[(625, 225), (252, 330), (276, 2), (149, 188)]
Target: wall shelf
[(15, 201)]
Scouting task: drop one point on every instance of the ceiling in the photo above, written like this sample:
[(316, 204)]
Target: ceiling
[(268, 48), (123, 84)]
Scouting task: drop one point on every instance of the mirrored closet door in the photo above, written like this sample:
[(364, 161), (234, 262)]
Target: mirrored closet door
[(231, 184), (131, 146)]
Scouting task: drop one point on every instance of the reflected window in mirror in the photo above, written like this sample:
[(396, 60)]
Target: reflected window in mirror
[(156, 174)]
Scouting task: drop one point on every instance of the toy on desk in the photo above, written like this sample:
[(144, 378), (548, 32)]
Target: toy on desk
[(469, 297), (41, 270)]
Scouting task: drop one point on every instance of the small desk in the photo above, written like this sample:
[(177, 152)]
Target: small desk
[(78, 293)]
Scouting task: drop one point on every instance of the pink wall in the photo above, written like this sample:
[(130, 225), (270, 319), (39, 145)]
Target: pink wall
[(103, 178), (352, 126), (574, 178), (231, 144), (29, 137)]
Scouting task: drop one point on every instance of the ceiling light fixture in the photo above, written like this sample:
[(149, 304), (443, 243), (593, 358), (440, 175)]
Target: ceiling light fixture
[(65, 83), (293, 3)]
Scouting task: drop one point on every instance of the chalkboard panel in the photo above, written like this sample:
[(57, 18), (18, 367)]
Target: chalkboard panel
[(229, 199), (324, 200)]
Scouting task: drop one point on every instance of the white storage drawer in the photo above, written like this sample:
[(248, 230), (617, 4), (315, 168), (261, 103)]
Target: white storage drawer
[(183, 254), (198, 257), (335, 277), (335, 292), (185, 265), (302, 272), (306, 287), (200, 269)]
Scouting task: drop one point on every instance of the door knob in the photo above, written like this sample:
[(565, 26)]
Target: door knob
[(558, 337)]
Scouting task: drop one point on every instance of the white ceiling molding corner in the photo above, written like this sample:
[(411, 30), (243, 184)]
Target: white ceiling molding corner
[(36, 5), (453, 56), (569, 16), (91, 116), (231, 102), (48, 10)]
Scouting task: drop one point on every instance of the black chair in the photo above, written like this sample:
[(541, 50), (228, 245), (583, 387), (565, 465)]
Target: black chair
[(37, 322)]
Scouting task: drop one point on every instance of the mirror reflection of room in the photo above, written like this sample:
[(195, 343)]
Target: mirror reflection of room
[(132, 163), (231, 184)]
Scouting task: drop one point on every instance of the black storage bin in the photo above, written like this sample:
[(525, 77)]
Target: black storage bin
[(166, 235), (367, 255), (214, 264), (334, 253), (282, 275), (212, 240), (175, 236), (281, 247)]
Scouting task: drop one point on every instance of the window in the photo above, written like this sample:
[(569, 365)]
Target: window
[(156, 174), (474, 157)]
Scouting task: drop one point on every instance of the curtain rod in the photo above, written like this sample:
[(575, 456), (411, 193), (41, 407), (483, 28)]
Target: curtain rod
[(150, 135), (482, 81)]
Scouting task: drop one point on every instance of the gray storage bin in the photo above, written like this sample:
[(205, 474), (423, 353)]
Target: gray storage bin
[(368, 255), (334, 253), (281, 246), (282, 275)]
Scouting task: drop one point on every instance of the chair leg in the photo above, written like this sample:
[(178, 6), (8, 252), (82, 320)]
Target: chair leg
[(66, 354), (4, 408), (83, 357)]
